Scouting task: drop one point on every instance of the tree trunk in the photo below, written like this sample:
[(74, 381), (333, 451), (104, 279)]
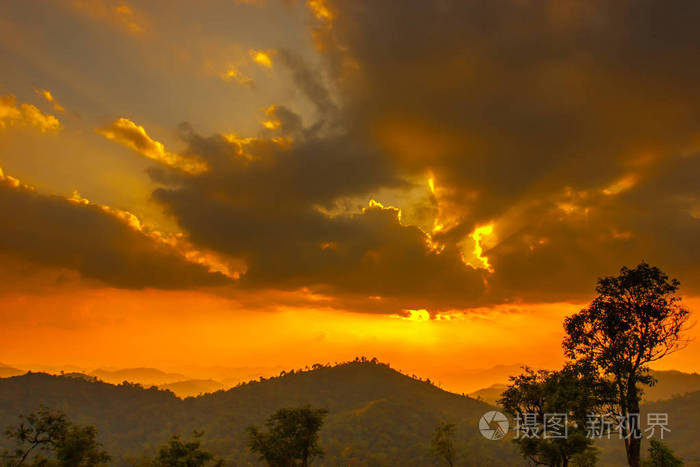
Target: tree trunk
[(634, 446)]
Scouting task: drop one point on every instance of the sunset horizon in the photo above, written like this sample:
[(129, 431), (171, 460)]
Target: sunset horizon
[(228, 190)]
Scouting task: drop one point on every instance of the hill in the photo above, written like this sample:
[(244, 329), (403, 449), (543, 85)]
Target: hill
[(682, 437), (144, 376), (377, 416), (682, 421), (468, 380), (193, 387), (670, 383), (7, 371), (491, 394)]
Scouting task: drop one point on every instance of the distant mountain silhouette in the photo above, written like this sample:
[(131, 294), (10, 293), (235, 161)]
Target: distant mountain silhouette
[(670, 383), (377, 416), (473, 379), (683, 422), (491, 394), (683, 436), (193, 387), (144, 376), (7, 371)]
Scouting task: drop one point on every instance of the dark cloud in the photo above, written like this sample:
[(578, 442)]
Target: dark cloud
[(516, 92), (309, 82), (514, 104), (52, 231), (557, 254), (270, 204), (572, 127)]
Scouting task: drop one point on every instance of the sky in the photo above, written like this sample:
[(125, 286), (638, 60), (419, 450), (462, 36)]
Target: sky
[(274, 183)]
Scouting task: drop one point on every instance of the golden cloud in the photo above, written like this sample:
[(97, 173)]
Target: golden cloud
[(213, 262), (26, 115), (133, 136), (48, 97)]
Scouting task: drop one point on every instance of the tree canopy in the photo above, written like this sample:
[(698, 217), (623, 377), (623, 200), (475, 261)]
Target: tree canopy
[(442, 443), (661, 455), (178, 453), (636, 318), (291, 438), (572, 395), (49, 433)]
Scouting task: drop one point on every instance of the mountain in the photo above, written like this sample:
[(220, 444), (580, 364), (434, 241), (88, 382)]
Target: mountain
[(377, 416), (490, 395), (7, 371), (670, 384), (683, 436), (470, 380), (144, 376), (193, 387), (682, 421)]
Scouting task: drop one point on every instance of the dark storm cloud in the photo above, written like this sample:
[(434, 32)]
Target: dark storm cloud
[(573, 127), (523, 93), (54, 232), (269, 204), (657, 221), (512, 103)]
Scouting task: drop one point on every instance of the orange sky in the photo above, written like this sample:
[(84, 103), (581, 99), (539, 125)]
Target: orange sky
[(188, 332), (269, 184)]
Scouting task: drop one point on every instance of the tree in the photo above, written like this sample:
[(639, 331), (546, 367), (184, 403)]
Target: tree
[(79, 448), (291, 438), (637, 318), (442, 444), (572, 394), (183, 454), (661, 455), (45, 431)]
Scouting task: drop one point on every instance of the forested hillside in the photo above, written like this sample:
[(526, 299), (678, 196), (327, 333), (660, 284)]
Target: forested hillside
[(377, 416)]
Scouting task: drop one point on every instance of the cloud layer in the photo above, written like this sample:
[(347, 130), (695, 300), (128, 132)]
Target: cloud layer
[(62, 233), (437, 155)]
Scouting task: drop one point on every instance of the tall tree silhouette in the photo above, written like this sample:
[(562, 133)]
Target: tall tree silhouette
[(291, 438), (637, 318)]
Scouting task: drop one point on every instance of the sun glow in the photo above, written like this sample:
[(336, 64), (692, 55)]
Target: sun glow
[(477, 258)]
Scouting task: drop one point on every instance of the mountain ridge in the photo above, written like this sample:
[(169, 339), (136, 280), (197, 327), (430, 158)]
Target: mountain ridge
[(377, 416)]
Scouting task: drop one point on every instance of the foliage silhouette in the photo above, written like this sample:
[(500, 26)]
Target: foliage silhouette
[(442, 443), (570, 392), (291, 438), (661, 455), (178, 453), (637, 318), (46, 431)]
